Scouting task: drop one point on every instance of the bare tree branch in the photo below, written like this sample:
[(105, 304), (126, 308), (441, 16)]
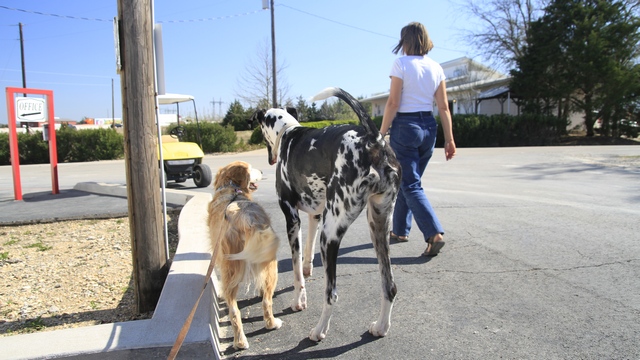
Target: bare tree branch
[(504, 25), (256, 82)]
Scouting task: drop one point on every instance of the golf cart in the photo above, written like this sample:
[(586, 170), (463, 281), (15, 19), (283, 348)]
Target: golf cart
[(182, 160)]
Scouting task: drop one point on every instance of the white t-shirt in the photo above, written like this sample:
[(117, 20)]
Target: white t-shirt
[(420, 76)]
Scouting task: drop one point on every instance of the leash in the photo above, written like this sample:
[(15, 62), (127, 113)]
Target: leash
[(187, 323)]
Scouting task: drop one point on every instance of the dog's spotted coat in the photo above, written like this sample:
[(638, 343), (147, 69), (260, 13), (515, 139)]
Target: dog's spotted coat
[(332, 174)]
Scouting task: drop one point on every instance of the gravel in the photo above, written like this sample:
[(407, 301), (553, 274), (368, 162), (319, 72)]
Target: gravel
[(68, 274)]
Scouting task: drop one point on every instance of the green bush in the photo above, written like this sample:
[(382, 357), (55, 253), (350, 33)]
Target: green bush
[(504, 130), (214, 137), (324, 123), (72, 146), (32, 149), (479, 130), (4, 149), (256, 137), (93, 145)]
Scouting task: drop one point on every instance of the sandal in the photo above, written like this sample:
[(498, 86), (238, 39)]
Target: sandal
[(395, 238), (433, 247)]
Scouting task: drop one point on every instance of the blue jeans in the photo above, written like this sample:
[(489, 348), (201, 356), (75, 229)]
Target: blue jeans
[(413, 138)]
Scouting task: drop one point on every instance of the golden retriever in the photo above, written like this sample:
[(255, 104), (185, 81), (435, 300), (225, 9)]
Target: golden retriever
[(248, 244)]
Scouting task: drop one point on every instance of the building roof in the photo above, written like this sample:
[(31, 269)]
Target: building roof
[(496, 80), (493, 93)]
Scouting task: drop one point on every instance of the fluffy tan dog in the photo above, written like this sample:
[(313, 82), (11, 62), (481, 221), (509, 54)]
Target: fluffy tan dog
[(248, 244)]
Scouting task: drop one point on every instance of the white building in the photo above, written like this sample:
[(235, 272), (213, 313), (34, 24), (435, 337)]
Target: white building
[(472, 88)]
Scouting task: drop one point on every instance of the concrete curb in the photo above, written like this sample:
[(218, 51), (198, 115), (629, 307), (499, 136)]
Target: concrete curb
[(180, 291), (176, 197)]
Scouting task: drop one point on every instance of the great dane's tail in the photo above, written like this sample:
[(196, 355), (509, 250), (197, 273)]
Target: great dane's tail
[(365, 120)]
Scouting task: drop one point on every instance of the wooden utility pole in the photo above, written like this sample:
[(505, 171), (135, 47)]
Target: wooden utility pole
[(24, 76), (273, 57), (137, 80)]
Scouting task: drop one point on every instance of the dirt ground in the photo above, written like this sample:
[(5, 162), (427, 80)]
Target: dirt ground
[(68, 274)]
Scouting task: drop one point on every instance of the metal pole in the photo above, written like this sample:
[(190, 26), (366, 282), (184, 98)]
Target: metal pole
[(113, 116), (24, 76), (273, 56)]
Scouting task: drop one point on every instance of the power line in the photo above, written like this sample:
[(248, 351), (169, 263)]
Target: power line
[(337, 22), (56, 73), (357, 28), (54, 15), (218, 18), (111, 20), (54, 83), (210, 19)]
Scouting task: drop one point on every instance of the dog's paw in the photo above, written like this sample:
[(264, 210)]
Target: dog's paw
[(298, 306), (378, 329), (274, 324), (318, 333)]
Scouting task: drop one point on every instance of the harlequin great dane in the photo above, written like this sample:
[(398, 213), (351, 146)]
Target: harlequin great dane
[(331, 174)]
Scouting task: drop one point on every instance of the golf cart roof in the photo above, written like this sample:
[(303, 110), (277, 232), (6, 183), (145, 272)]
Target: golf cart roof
[(166, 99)]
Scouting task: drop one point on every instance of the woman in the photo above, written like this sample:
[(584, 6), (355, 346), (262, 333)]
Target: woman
[(416, 82)]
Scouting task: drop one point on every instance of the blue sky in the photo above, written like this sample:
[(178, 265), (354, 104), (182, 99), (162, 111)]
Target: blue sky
[(208, 44)]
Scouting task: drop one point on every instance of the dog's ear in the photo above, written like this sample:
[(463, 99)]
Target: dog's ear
[(256, 118), (293, 112)]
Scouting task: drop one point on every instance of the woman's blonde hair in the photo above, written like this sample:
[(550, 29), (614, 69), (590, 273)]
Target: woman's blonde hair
[(414, 40)]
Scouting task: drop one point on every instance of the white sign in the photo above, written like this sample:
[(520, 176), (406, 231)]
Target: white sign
[(31, 109)]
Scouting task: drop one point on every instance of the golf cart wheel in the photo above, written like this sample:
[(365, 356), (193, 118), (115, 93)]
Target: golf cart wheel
[(202, 176)]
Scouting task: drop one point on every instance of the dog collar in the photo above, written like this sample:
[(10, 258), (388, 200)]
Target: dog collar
[(280, 135), (237, 191)]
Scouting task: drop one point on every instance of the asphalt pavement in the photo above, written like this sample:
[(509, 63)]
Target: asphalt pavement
[(542, 259)]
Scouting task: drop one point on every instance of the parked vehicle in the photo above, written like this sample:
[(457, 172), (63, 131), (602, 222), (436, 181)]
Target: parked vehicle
[(182, 160)]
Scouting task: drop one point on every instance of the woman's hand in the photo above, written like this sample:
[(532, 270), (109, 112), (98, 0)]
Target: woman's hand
[(449, 149)]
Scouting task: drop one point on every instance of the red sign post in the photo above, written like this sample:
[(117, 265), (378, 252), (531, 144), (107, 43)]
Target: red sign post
[(25, 110)]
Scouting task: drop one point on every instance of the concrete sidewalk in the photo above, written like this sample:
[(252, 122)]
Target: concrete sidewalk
[(541, 262)]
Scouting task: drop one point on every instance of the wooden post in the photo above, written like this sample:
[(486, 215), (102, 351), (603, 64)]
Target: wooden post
[(150, 267), (273, 58)]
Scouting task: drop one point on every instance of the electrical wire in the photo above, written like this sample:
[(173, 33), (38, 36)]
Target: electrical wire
[(111, 20), (218, 18)]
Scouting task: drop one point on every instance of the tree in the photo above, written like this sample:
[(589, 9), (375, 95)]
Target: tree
[(255, 85), (312, 113), (504, 27), (584, 51), (237, 117), (539, 78), (327, 112), (301, 107)]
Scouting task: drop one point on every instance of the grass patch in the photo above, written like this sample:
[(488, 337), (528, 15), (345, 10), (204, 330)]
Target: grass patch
[(13, 240), (4, 255), (39, 246), (36, 324)]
